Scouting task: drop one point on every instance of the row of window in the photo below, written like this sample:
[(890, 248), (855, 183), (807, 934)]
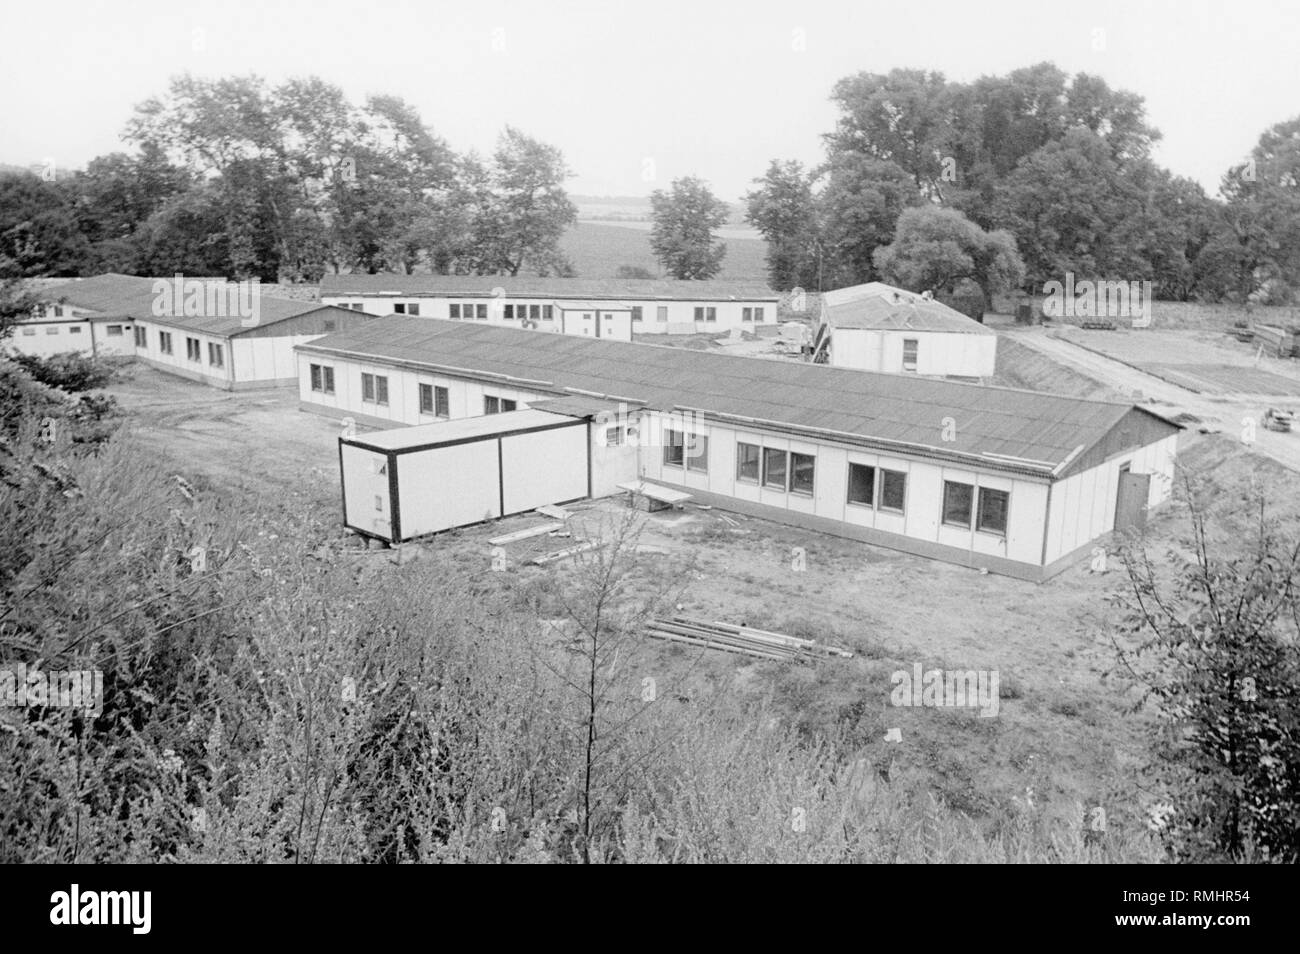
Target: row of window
[(531, 312), (434, 399), (876, 487), (53, 330), (193, 346)]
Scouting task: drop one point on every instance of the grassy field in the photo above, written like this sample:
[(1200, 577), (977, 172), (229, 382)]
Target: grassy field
[(1062, 742), (597, 250)]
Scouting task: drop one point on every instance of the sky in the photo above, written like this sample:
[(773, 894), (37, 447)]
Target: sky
[(637, 94)]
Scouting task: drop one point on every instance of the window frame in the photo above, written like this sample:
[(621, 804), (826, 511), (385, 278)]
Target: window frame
[(216, 351), (769, 453), (848, 490), (953, 486), (916, 353), (979, 511), (883, 474), (758, 463), (674, 447)]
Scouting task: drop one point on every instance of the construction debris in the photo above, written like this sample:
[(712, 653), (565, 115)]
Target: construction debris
[(745, 640), (564, 554), (555, 513), (525, 534)]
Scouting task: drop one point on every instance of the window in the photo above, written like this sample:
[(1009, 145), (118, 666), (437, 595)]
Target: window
[(534, 311), (141, 337), (758, 314), (697, 456), (893, 490), (165, 342), (703, 313), (636, 312), (957, 500), (330, 324), (379, 503), (115, 331), (322, 379), (993, 511), (508, 404), (192, 350), (75, 330), (480, 312), (548, 312), (747, 314), (586, 316), (381, 389), (441, 402), (453, 311), (862, 485), (399, 308), (747, 462), (491, 405), (614, 436), (774, 468), (426, 398), (29, 331), (510, 311), (215, 356), (802, 467), (662, 313), (413, 308), (674, 448), (58, 311), (909, 354), (54, 330), (367, 387)]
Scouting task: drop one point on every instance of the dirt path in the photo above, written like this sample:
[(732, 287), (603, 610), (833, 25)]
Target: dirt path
[(1222, 412)]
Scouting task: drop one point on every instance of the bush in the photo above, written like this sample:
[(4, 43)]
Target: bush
[(72, 372)]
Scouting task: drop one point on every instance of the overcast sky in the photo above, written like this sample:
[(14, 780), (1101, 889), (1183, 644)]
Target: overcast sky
[(636, 94)]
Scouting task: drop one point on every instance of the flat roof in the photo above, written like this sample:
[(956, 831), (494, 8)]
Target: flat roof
[(132, 297), (459, 431), (527, 286), (1006, 428)]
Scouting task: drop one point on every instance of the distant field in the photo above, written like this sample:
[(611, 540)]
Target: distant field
[(598, 249)]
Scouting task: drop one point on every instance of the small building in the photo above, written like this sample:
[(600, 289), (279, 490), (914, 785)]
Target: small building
[(651, 306), (204, 336), (413, 481), (1017, 482), (877, 327)]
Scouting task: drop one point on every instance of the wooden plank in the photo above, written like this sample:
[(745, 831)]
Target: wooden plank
[(564, 554), (557, 513), (654, 492), (525, 534)]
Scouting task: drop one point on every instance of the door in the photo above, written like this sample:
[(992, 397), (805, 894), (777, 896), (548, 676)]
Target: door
[(1131, 499)]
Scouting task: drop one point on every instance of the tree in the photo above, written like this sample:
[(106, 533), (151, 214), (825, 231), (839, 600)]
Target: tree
[(1216, 652), (934, 248), (784, 209), (522, 209), (38, 228), (1068, 205), (685, 218), (633, 272), (902, 117), (859, 209)]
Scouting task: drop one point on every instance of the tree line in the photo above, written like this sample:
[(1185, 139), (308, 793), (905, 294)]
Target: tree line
[(1011, 181), (977, 188), (285, 183)]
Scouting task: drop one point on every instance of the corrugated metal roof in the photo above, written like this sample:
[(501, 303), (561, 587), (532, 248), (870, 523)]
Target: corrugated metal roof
[(130, 296), (478, 286), (859, 406)]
